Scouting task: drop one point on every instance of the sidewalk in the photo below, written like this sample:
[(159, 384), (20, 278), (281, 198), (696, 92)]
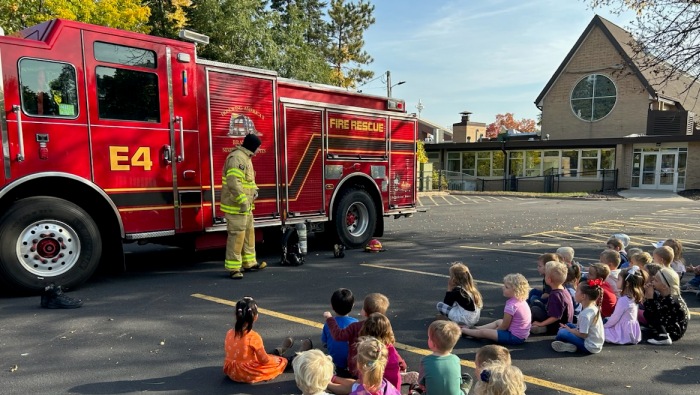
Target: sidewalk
[(652, 195)]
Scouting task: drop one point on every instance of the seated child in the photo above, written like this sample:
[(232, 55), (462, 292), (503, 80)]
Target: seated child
[(588, 336), (373, 303), (246, 360), (441, 372), (611, 259), (650, 269), (342, 301), (566, 255), (632, 251), (573, 277), (514, 327), (538, 297), (663, 256), (694, 284), (371, 361), (665, 310), (488, 354), (379, 327), (623, 327), (678, 264), (560, 308), (602, 272), (617, 246), (312, 372), (462, 303), (640, 259), (497, 378)]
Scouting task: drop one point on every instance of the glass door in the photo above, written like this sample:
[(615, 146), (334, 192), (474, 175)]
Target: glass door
[(667, 171), (659, 170), (649, 173)]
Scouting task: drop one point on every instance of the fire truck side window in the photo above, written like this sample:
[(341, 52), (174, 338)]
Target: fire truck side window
[(116, 98), (121, 54), (48, 88)]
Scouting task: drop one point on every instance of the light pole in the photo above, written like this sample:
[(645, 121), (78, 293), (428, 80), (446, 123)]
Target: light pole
[(388, 83)]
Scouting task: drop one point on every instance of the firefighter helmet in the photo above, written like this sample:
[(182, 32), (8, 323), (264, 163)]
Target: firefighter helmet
[(373, 246)]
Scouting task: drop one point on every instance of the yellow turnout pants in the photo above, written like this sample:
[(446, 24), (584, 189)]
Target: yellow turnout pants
[(240, 245)]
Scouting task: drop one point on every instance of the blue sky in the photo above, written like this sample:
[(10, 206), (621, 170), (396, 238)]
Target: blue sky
[(487, 57)]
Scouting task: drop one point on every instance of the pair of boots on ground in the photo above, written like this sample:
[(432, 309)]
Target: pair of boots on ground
[(288, 343), (237, 274), (52, 297)]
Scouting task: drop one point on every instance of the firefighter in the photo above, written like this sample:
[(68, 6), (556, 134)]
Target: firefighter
[(237, 195)]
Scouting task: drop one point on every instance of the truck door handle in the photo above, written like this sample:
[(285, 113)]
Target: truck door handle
[(166, 155), (20, 136), (181, 157)]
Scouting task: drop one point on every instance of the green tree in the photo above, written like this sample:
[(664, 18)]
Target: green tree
[(666, 33), (297, 27), (239, 31), (348, 22), (168, 17)]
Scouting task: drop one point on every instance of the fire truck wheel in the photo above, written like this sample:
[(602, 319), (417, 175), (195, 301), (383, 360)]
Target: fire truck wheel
[(355, 218), (47, 240)]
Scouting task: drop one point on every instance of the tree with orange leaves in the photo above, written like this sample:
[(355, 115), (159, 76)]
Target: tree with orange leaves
[(508, 121)]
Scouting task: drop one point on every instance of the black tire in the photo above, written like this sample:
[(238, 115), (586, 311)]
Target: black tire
[(355, 218), (47, 240)]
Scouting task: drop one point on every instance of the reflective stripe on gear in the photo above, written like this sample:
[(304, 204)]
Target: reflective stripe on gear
[(240, 245)]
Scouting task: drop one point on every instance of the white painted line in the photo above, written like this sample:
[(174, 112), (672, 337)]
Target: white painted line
[(398, 269)]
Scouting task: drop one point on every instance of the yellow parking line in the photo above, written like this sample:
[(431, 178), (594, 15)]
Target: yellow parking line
[(423, 273), (401, 346), (520, 252)]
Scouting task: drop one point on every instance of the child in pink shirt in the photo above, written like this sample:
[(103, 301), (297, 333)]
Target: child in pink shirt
[(514, 327)]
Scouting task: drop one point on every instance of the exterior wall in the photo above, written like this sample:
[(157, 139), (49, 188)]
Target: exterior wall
[(692, 180), (595, 55), (460, 132), (623, 162)]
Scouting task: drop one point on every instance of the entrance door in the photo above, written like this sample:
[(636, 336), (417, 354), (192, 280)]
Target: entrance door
[(659, 170)]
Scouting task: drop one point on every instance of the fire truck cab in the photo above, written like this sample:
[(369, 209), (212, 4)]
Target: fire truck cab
[(111, 136)]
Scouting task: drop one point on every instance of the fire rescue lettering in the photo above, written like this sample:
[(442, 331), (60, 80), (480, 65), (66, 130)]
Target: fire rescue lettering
[(357, 125), (119, 158)]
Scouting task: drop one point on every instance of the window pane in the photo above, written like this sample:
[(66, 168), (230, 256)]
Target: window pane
[(569, 163), (48, 88), (484, 155), (589, 153), (584, 89), (116, 99), (604, 87), (483, 168), (533, 159), (453, 155), (453, 166), (125, 55), (607, 159), (590, 167), (602, 107), (551, 153), (468, 160), (497, 161), (582, 108)]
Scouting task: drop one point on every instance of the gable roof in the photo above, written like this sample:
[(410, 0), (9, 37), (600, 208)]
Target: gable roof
[(675, 89)]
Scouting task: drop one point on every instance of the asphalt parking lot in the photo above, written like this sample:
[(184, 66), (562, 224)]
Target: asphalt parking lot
[(160, 326)]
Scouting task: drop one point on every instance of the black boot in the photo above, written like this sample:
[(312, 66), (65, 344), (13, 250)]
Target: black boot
[(53, 298)]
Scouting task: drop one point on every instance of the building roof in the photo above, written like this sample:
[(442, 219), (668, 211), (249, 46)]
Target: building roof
[(682, 89), (433, 125)]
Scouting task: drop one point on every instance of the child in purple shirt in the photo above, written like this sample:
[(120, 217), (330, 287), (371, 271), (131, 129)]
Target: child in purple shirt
[(514, 327), (560, 308)]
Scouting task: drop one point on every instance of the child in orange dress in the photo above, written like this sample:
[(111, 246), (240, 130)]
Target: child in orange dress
[(246, 359)]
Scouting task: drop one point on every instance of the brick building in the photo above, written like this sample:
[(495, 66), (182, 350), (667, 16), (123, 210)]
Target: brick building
[(602, 115)]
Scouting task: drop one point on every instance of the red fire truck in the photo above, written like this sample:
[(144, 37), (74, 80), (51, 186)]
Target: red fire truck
[(110, 137)]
